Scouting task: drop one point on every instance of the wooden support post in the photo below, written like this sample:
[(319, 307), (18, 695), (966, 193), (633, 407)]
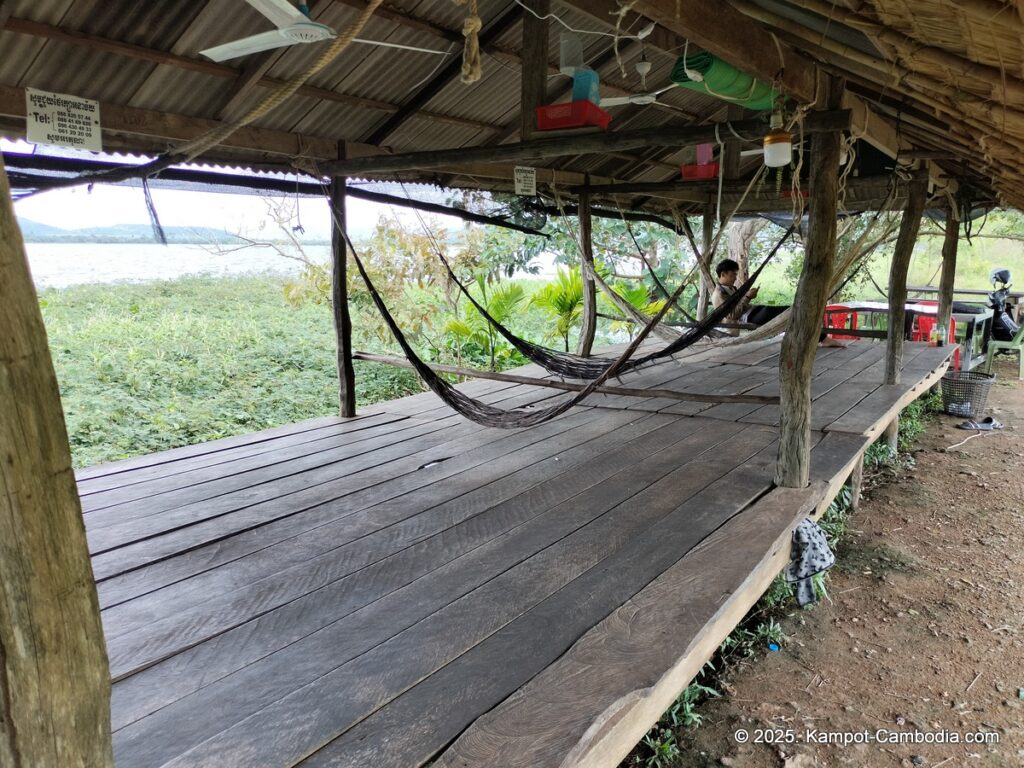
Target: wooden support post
[(731, 153), (54, 674), (891, 435), (339, 302), (588, 324), (535, 65), (800, 343), (949, 246), (909, 227), (707, 238), (856, 484)]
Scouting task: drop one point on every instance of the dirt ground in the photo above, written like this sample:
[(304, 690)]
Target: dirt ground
[(923, 632)]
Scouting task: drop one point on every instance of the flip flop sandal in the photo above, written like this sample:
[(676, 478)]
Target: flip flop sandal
[(985, 425)]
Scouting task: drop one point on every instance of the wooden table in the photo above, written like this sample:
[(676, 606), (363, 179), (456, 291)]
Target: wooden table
[(972, 322), (1013, 300)]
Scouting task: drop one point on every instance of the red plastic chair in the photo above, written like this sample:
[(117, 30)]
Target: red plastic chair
[(834, 318), (922, 331)]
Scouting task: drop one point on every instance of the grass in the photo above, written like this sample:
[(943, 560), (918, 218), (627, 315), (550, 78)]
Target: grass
[(144, 368)]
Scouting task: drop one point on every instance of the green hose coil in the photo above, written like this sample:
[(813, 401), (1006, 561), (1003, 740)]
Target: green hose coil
[(723, 81)]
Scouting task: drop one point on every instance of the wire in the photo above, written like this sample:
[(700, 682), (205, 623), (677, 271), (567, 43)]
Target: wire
[(555, 17)]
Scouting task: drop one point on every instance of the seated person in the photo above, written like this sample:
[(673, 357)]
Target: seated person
[(757, 314)]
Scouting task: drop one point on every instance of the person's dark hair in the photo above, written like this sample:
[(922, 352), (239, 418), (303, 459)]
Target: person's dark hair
[(726, 265)]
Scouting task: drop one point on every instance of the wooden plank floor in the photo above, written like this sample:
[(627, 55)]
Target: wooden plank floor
[(361, 592)]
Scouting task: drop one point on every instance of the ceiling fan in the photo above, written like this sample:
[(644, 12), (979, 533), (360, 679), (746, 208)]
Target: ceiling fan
[(293, 26), (643, 68)]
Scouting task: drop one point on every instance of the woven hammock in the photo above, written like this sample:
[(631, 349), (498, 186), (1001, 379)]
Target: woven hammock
[(601, 370), (576, 367)]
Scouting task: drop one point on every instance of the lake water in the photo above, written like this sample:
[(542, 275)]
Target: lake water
[(57, 265)]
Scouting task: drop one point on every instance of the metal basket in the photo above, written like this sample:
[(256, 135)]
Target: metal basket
[(964, 393)]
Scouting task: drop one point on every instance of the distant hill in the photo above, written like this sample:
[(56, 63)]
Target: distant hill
[(34, 232)]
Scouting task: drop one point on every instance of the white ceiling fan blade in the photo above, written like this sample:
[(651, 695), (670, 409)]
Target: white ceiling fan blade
[(615, 101), (281, 12), (264, 41)]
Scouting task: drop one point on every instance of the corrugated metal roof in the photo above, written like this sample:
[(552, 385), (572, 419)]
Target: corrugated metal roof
[(379, 81)]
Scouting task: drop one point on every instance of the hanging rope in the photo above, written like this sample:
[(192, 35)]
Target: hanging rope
[(471, 69)]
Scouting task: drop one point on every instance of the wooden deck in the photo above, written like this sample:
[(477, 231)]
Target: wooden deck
[(385, 590)]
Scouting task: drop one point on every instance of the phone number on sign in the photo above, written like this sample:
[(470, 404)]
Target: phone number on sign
[(846, 738)]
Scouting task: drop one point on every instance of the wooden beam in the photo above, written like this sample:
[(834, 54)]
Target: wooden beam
[(166, 125), (565, 386), (106, 45), (948, 279), (572, 145), (588, 320), (903, 250), (54, 674), (534, 75), (443, 76), (800, 343), (339, 302)]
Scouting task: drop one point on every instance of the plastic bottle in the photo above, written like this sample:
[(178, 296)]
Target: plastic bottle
[(940, 337)]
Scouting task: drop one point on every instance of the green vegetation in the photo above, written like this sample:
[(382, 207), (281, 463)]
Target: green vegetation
[(143, 368)]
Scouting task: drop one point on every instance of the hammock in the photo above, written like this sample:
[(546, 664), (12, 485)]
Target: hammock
[(490, 416), (576, 367)]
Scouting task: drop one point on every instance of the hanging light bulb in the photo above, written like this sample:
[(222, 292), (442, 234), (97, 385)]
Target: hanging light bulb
[(778, 144)]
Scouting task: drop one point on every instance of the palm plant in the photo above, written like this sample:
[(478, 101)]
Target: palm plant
[(562, 300), (639, 297), (472, 330)]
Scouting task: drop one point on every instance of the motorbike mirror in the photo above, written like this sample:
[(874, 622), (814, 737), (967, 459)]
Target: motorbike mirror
[(1000, 275)]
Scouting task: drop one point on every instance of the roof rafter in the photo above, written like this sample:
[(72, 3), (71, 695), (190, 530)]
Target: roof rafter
[(95, 42), (443, 76)]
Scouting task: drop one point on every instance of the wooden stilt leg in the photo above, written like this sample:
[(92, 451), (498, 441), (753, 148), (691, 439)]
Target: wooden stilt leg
[(892, 434), (856, 485)]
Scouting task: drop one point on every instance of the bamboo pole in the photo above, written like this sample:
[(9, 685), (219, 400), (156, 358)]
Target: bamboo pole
[(54, 673), (565, 386), (904, 249), (582, 144), (588, 322), (800, 343), (339, 302)]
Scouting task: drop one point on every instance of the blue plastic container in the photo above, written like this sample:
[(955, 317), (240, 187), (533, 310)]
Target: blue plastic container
[(586, 86)]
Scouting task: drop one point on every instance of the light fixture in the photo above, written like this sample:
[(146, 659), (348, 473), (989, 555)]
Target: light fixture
[(778, 144)]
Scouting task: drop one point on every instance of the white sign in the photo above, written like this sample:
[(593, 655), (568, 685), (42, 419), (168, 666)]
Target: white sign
[(526, 181), (67, 121)]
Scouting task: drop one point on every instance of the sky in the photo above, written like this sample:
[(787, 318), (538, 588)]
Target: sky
[(106, 205)]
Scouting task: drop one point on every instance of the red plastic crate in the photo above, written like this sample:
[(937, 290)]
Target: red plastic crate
[(694, 172), (572, 114)]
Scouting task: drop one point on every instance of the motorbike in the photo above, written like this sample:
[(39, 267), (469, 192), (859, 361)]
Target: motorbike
[(1003, 326)]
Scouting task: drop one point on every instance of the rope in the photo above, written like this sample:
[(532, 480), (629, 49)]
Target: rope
[(471, 69)]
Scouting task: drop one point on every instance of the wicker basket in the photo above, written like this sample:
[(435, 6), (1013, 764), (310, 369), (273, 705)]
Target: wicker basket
[(964, 393)]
